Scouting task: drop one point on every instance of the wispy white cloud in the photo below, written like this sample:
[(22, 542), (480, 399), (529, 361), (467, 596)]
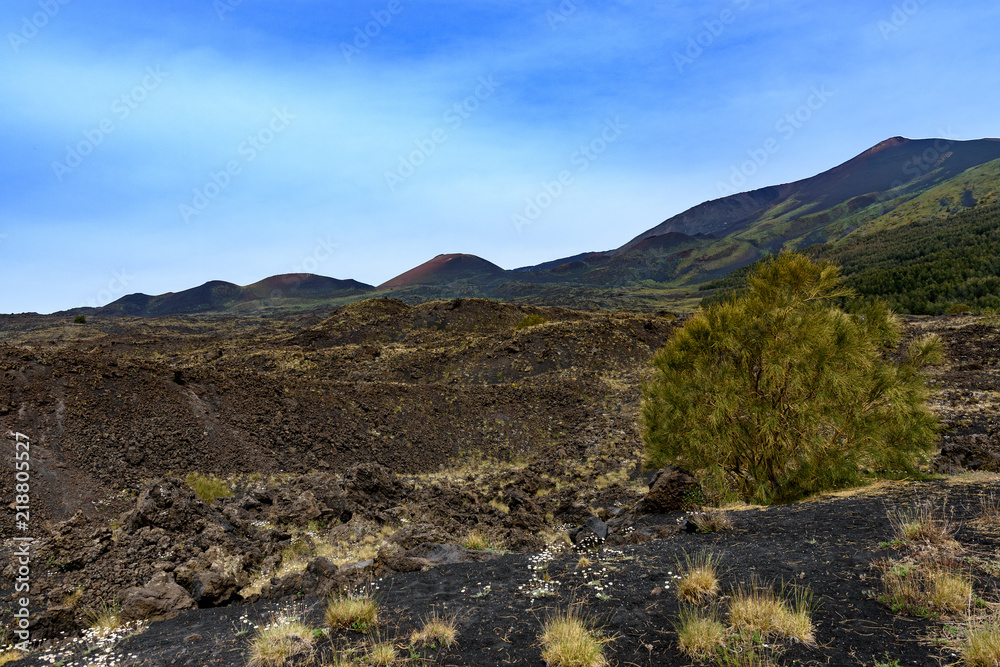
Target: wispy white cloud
[(562, 68)]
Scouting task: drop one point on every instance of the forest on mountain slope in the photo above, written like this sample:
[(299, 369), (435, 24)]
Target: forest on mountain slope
[(929, 267)]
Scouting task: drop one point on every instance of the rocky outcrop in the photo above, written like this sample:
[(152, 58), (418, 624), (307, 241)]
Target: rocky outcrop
[(159, 599), (671, 490)]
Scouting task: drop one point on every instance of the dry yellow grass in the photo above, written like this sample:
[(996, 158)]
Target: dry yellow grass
[(757, 609), (11, 656), (382, 654), (108, 617), (949, 591), (359, 612), (568, 642), (700, 633), (989, 512), (922, 524), (711, 521), (981, 646), (280, 641), (477, 540), (923, 588), (436, 630), (699, 579)]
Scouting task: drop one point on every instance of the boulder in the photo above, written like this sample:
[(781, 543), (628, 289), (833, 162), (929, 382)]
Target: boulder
[(159, 599), (671, 490), (418, 534), (277, 588), (213, 587), (425, 556), (169, 504), (321, 578), (449, 554), (591, 534), (56, 622)]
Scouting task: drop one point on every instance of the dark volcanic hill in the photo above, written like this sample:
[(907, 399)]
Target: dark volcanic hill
[(217, 295), (445, 269), (886, 189)]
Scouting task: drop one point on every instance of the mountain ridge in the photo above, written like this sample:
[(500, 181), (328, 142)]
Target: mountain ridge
[(890, 184)]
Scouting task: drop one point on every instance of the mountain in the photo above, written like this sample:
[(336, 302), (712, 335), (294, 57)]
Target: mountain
[(891, 186), (288, 290), (445, 269), (896, 168)]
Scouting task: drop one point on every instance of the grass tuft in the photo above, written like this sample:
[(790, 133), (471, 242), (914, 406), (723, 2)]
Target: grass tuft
[(358, 612), (568, 642), (382, 654), (280, 641), (700, 633), (925, 589), (981, 646), (108, 617), (757, 609), (477, 540), (11, 656), (208, 487), (699, 579), (711, 521), (436, 630), (989, 513), (530, 321), (920, 524)]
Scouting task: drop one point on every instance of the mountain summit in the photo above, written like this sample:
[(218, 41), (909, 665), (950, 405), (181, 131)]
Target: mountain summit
[(894, 183), (890, 170)]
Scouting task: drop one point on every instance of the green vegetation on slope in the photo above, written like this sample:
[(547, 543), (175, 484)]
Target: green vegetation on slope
[(779, 394), (928, 267)]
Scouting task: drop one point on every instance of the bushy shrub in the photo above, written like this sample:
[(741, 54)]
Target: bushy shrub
[(779, 393), (530, 321), (80, 319), (208, 487)]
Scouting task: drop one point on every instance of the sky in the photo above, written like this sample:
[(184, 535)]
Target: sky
[(153, 146)]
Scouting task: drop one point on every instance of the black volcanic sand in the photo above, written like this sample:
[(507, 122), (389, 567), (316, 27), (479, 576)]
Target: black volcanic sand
[(830, 545)]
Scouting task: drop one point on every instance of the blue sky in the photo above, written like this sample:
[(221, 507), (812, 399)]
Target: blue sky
[(149, 147)]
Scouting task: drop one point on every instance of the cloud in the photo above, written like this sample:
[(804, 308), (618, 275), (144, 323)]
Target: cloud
[(562, 68)]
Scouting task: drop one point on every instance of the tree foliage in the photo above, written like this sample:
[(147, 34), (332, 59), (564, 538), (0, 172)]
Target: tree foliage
[(779, 393)]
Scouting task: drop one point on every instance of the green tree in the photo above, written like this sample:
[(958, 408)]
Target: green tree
[(80, 319), (779, 393)]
